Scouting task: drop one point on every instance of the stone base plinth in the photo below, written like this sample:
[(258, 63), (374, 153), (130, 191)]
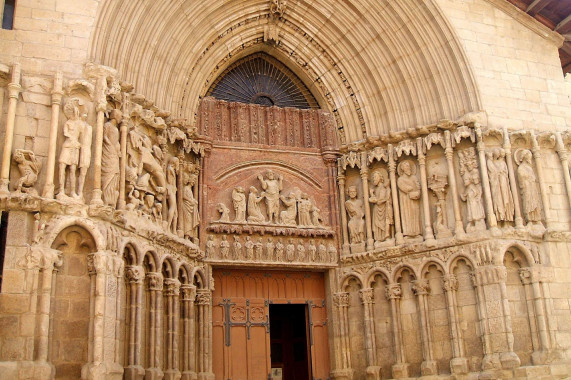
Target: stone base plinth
[(134, 372), (341, 374), (373, 373), (429, 368), (400, 370), (459, 366), (189, 375)]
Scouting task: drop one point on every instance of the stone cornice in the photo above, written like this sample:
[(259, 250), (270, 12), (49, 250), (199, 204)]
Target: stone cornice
[(528, 21)]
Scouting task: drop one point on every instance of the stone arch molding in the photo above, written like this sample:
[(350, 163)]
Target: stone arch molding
[(402, 68)]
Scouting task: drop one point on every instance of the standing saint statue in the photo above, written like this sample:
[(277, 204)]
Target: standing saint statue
[(69, 155), (171, 170), (472, 194), (528, 186), (190, 208), (110, 164), (409, 197), (254, 213), (382, 205), (356, 211), (272, 187), (239, 202), (500, 185), (304, 206)]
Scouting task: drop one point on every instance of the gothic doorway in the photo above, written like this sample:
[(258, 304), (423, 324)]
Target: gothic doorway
[(247, 303), (289, 343)]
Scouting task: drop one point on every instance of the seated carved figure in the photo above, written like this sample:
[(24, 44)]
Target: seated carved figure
[(287, 217)]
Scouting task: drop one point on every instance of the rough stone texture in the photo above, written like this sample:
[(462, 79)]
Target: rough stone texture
[(124, 288)]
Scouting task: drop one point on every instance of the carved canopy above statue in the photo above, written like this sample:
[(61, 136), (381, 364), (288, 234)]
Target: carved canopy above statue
[(261, 79)]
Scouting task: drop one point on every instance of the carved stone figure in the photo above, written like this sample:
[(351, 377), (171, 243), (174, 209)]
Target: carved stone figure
[(332, 253), (382, 205), (438, 183), (237, 247), (321, 252), (316, 218), (528, 186), (300, 251), (409, 198), (472, 194), (171, 170), (279, 251), (500, 184), (143, 155), (290, 251), (356, 212), (110, 159), (85, 138), (210, 246), (190, 208), (254, 213), (312, 251), (69, 155), (259, 249), (270, 249), (287, 217), (224, 247), (272, 187), (239, 202), (304, 206), (249, 245), (29, 167), (224, 213)]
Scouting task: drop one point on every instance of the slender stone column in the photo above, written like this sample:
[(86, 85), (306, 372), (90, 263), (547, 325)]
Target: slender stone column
[(401, 368), (101, 106), (449, 152), (367, 298), (341, 180), (481, 147), (179, 194), (57, 95), (513, 184), (134, 276), (365, 180), (459, 363), (428, 233), (562, 151), (399, 239), (341, 301), (204, 301), (429, 366), (188, 354), (172, 291), (525, 277), (155, 287), (531, 279), (536, 150), (14, 89), (124, 128), (491, 360)]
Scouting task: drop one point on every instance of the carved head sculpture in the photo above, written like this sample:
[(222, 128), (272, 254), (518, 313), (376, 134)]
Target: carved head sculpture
[(71, 108), (379, 176), (270, 174), (352, 192), (115, 115), (522, 155), (224, 237), (406, 168)]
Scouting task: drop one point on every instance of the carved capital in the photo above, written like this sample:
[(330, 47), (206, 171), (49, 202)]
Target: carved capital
[(367, 296), (491, 274), (341, 299), (154, 281), (171, 287), (41, 258), (134, 274), (99, 263), (450, 283), (188, 292), (203, 297), (421, 287), (393, 291), (526, 276)]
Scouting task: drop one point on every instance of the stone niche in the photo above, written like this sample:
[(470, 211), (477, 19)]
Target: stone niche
[(270, 176)]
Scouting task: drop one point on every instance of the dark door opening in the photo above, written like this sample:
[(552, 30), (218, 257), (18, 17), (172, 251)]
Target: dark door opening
[(288, 339)]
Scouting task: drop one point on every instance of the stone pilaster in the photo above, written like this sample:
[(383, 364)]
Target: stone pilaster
[(459, 363), (401, 368), (399, 239), (428, 232), (429, 366), (368, 300), (57, 95), (204, 302), (365, 181), (449, 153), (134, 280), (154, 338), (188, 293), (14, 89)]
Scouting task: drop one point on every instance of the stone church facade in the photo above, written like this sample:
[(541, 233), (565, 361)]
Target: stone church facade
[(269, 189)]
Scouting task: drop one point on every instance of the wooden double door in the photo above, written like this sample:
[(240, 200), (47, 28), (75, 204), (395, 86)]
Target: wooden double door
[(244, 305)]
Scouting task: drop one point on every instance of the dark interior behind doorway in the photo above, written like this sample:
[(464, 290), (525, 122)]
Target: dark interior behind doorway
[(288, 336)]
